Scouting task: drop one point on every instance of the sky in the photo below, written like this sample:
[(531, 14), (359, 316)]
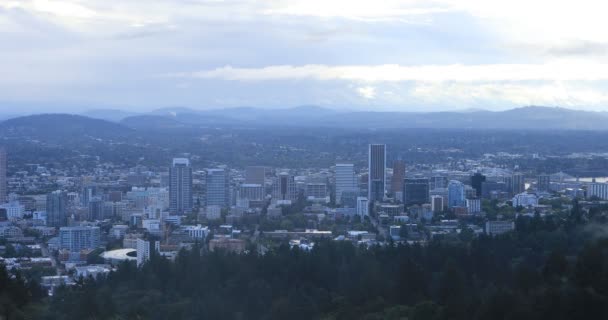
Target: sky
[(397, 55)]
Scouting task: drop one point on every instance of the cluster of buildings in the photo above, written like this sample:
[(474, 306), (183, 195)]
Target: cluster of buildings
[(93, 221)]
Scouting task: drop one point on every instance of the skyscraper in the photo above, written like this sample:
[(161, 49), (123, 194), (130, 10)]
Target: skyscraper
[(518, 183), (180, 187), (56, 206), (345, 180), (284, 188), (376, 185), (543, 182), (3, 195), (218, 191), (476, 181), (415, 191), (398, 176), (456, 196)]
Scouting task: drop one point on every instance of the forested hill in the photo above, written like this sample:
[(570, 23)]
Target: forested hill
[(540, 271)]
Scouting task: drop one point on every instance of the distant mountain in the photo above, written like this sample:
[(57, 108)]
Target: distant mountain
[(59, 127), (114, 115), (151, 122), (532, 117)]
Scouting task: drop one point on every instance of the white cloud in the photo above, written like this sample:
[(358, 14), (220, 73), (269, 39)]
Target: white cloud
[(564, 71), (367, 92)]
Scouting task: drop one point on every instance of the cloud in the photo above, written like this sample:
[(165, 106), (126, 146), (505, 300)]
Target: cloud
[(367, 92), (562, 71)]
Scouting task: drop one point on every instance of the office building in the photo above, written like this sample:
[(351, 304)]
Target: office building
[(525, 200), (456, 194), (316, 190), (415, 191), (473, 205), (437, 203), (3, 181), (180, 187), (476, 182), (255, 175), (518, 184), (543, 182), (146, 248), (56, 207), (376, 185), (251, 191), (499, 227), (79, 238), (599, 190), (346, 181), (398, 176), (96, 211), (362, 207), (284, 188), (438, 182), (218, 188)]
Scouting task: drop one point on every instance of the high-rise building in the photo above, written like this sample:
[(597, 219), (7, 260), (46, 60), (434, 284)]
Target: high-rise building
[(3, 163), (218, 188), (376, 186), (398, 176), (180, 187), (96, 209), (56, 207), (146, 248), (251, 191), (438, 182), (456, 194), (518, 183), (415, 191), (346, 181), (473, 205), (437, 203), (284, 188), (543, 182), (79, 238), (476, 181), (362, 207), (255, 175)]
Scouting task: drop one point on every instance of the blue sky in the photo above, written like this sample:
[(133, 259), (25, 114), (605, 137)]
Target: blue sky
[(70, 55)]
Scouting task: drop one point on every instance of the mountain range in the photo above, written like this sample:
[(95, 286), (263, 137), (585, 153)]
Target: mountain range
[(121, 122), (532, 117)]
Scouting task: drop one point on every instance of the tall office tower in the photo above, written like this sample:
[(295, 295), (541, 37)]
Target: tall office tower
[(218, 188), (438, 182), (456, 195), (255, 175), (88, 193), (346, 181), (543, 182), (79, 238), (56, 206), (398, 176), (437, 203), (415, 191), (95, 209), (376, 183), (285, 188), (476, 181), (518, 183), (3, 193), (180, 187)]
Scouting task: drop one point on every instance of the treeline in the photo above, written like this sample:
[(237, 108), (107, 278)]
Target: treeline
[(549, 268), (534, 273)]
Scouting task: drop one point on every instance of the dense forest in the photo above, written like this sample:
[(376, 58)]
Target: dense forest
[(547, 269)]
